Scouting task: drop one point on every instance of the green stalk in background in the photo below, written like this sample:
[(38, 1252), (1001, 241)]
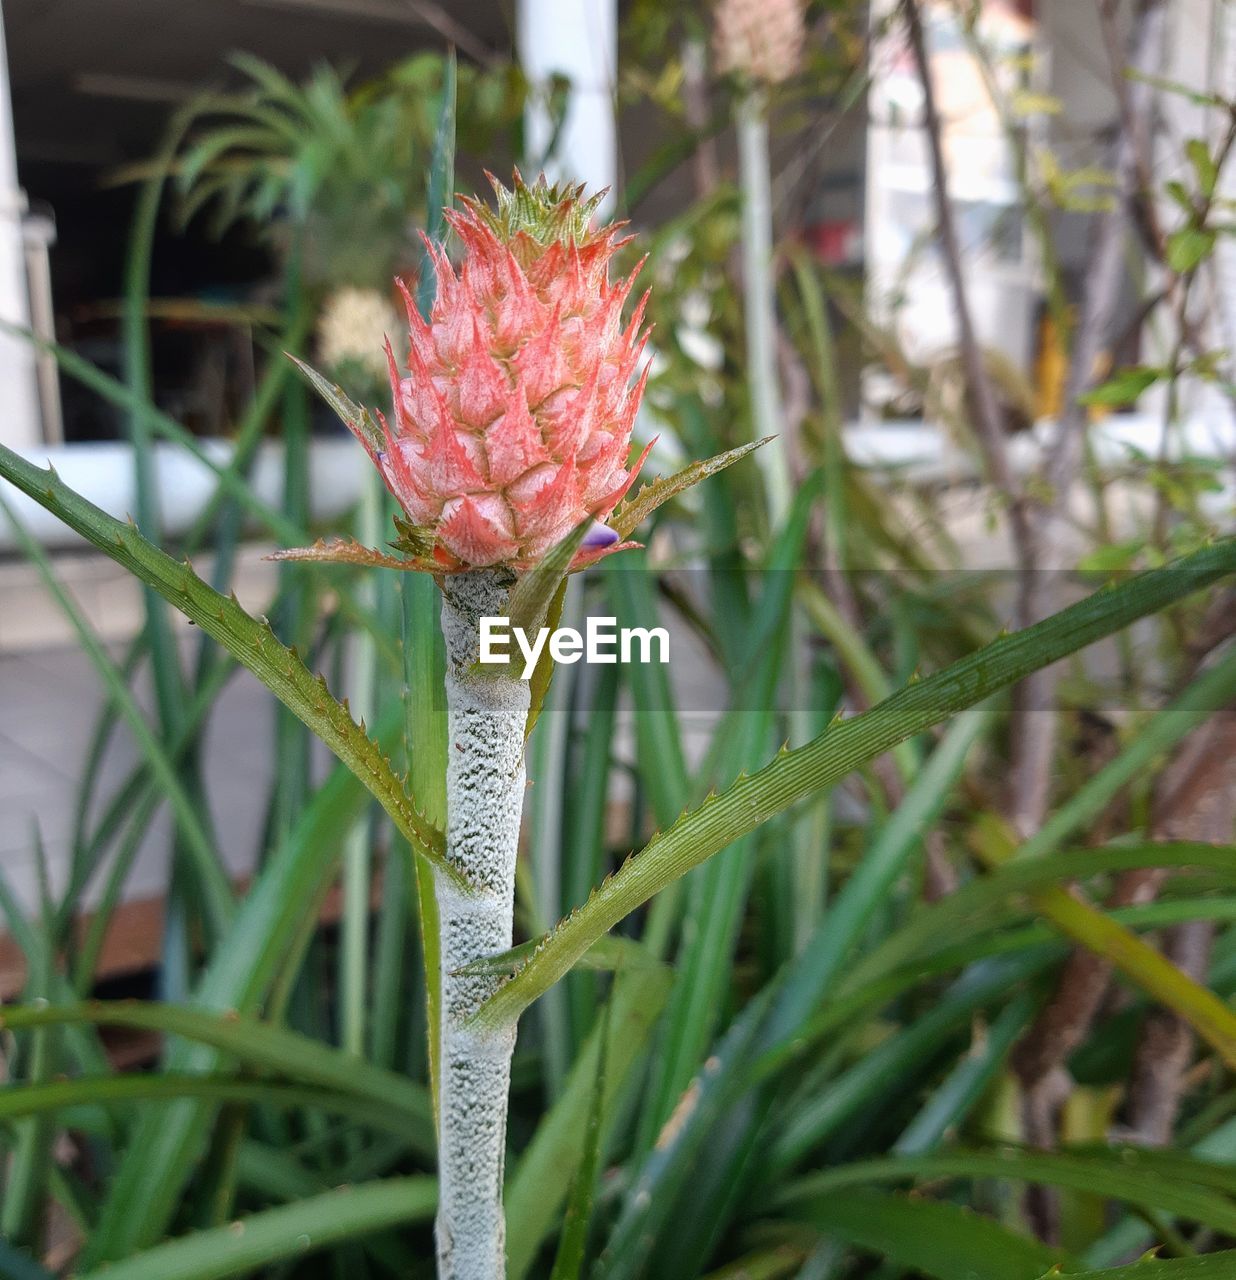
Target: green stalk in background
[(357, 853), (760, 300), (761, 49)]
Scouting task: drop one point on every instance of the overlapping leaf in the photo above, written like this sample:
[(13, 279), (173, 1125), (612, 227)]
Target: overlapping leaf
[(249, 640)]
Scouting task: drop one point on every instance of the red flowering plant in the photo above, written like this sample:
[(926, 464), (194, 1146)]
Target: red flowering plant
[(507, 450), (511, 429)]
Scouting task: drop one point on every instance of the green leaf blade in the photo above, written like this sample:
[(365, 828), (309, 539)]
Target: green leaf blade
[(251, 642), (842, 748)]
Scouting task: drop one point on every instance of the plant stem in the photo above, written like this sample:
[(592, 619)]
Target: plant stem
[(486, 717), (357, 869), (760, 302)]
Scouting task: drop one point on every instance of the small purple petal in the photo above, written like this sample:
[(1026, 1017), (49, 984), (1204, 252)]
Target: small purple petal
[(600, 535)]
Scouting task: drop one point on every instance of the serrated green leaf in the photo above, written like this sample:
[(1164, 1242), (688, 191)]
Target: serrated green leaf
[(355, 417), (414, 540), (843, 747), (632, 513), (543, 672), (349, 551), (531, 595), (1210, 1266), (251, 642)]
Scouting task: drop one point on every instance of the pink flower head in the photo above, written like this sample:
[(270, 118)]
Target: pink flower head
[(513, 422)]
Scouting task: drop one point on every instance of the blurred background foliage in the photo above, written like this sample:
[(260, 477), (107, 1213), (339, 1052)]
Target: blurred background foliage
[(865, 1040)]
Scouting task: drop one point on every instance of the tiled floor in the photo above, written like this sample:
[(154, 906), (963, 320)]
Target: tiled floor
[(49, 704), (50, 699)]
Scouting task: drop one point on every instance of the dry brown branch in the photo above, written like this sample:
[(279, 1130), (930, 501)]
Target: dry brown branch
[(1200, 805), (1035, 720), (453, 31), (1159, 1077), (1195, 799), (984, 405)]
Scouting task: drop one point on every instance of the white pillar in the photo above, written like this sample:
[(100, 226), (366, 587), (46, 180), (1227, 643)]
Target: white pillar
[(577, 39), (20, 424)]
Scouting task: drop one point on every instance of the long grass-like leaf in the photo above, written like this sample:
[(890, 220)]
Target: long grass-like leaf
[(19, 1101), (718, 894), (810, 975), (149, 1178), (216, 891), (930, 1237), (287, 1232), (22, 1207), (1117, 1175), (976, 907), (653, 1194), (538, 1187), (883, 862), (1208, 1015), (569, 1260), (255, 1043), (441, 180), (424, 651), (949, 1105), (810, 1121)]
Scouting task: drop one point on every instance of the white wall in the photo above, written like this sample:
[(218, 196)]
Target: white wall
[(19, 404)]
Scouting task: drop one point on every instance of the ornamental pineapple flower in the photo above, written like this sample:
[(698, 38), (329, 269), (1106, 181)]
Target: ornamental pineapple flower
[(351, 329), (759, 39), (513, 424)]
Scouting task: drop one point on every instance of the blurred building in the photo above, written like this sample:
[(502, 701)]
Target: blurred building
[(86, 89), (89, 85)]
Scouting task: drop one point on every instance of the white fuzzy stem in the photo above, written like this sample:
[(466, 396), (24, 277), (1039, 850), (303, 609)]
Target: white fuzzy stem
[(486, 718)]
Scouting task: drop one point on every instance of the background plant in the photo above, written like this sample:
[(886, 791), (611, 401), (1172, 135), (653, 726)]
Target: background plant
[(820, 1051)]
